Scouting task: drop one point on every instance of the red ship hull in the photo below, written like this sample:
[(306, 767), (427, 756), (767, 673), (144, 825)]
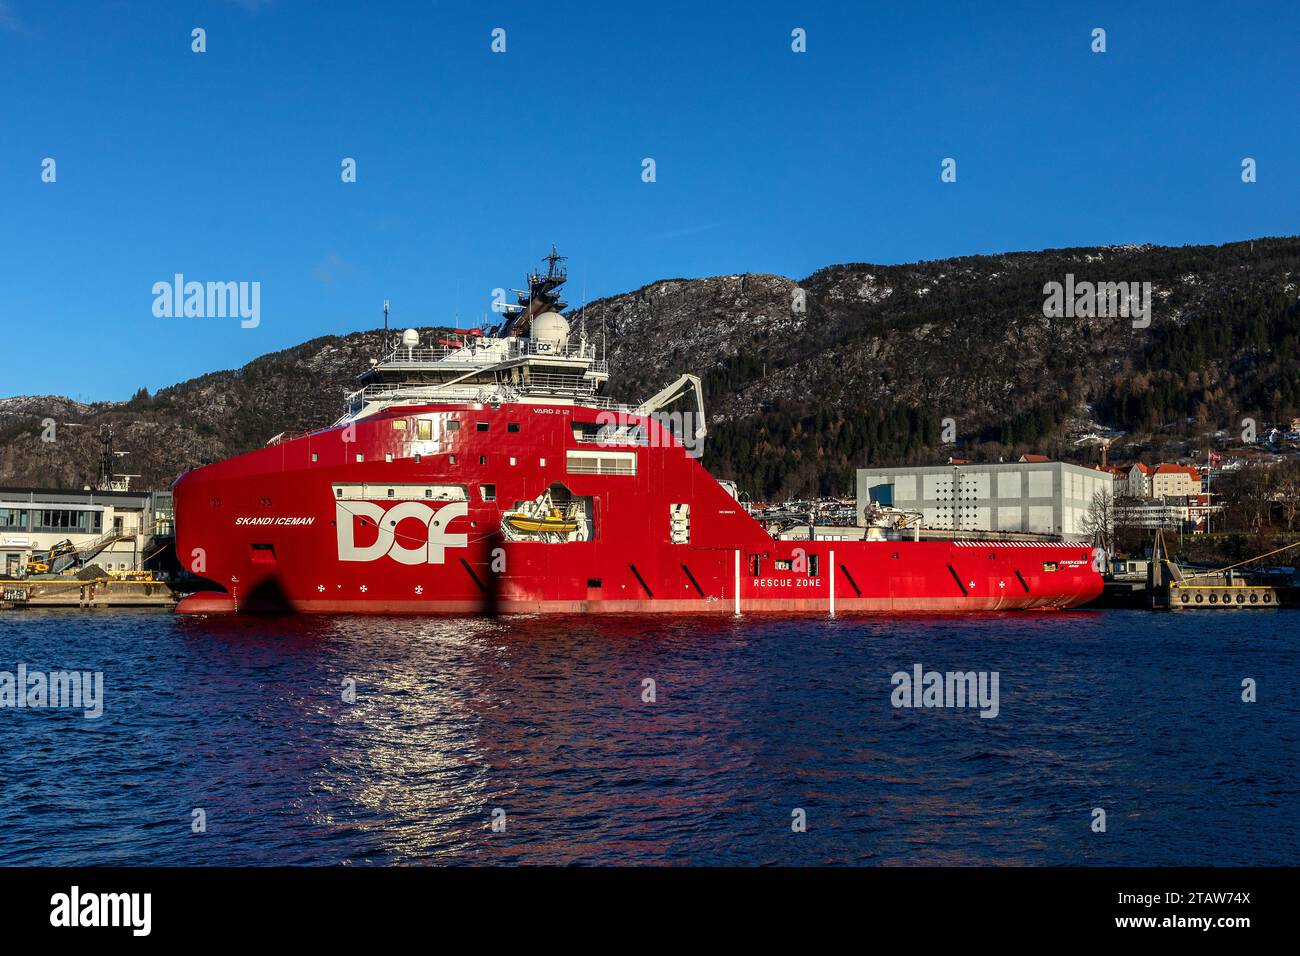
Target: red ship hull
[(399, 513)]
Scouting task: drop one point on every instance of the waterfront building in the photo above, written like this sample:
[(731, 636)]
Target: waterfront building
[(121, 528), (1032, 496)]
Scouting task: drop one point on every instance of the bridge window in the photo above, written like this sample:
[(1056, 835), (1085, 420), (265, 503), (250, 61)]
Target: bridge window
[(424, 430), (482, 426), (512, 427)]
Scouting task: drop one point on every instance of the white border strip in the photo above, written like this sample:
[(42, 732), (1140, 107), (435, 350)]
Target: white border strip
[(832, 584), (737, 583)]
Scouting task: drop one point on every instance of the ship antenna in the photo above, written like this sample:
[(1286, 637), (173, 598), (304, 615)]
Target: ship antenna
[(582, 326), (384, 350)]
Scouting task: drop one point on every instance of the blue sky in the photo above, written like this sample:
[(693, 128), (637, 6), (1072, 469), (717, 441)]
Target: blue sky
[(225, 165)]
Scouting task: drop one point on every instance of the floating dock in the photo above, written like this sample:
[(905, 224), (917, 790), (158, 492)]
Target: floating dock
[(1174, 588), (1222, 592)]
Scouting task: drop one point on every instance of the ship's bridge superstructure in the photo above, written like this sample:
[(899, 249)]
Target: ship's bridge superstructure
[(533, 357), (484, 369)]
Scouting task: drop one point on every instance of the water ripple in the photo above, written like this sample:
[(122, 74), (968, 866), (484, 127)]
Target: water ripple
[(543, 718)]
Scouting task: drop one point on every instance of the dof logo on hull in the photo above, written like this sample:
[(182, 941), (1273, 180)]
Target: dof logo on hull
[(404, 548)]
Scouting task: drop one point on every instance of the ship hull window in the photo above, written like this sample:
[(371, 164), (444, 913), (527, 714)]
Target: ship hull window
[(601, 463)]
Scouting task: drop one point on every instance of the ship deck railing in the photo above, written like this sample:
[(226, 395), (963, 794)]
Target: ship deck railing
[(518, 348), (482, 392)]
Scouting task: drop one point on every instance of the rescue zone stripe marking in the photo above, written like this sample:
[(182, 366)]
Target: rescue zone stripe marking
[(953, 572), (1013, 544), (857, 590), (465, 564), (648, 592), (695, 584)]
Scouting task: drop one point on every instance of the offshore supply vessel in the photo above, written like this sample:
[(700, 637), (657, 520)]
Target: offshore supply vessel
[(487, 472)]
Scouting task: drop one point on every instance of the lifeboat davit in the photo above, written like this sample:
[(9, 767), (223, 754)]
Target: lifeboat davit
[(552, 523)]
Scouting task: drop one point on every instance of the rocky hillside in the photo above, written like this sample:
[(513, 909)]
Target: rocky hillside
[(198, 421), (807, 379), (883, 354)]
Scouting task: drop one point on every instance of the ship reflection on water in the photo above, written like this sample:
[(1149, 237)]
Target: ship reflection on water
[(550, 721)]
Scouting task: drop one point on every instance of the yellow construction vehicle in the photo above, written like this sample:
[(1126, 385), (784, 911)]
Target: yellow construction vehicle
[(41, 562)]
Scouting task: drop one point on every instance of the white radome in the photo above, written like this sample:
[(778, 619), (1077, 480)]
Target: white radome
[(410, 338), (551, 327)]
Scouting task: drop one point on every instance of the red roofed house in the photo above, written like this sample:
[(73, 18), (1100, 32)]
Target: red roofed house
[(1175, 481), (1028, 459)]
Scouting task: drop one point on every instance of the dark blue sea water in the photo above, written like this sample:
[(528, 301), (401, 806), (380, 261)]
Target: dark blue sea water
[(1136, 713)]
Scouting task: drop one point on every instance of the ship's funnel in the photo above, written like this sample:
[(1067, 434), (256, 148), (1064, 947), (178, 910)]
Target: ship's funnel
[(551, 327)]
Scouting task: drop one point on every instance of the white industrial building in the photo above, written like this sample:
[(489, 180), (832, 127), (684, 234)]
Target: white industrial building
[(122, 529), (1025, 497)]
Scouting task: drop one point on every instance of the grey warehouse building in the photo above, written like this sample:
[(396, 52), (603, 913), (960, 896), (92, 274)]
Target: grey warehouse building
[(123, 529), (1033, 497)]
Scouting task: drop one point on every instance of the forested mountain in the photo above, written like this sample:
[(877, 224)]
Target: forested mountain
[(883, 354), (806, 380)]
